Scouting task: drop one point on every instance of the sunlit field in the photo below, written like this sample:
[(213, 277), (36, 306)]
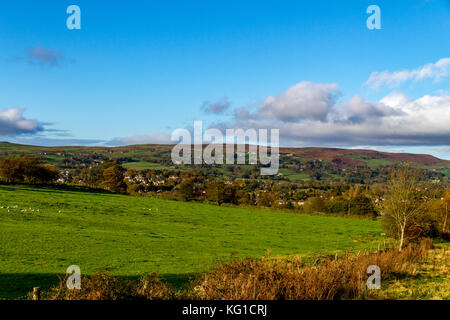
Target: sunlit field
[(44, 230)]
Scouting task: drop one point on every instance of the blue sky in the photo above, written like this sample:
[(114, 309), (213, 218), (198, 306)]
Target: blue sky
[(137, 70)]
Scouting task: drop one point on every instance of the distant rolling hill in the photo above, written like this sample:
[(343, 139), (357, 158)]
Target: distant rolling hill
[(295, 163), (360, 157)]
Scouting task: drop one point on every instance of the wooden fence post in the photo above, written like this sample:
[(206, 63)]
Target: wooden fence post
[(36, 293)]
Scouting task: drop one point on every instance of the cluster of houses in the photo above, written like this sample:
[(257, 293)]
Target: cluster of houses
[(152, 181)]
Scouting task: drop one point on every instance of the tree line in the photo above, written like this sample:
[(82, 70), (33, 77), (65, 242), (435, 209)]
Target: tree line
[(27, 169)]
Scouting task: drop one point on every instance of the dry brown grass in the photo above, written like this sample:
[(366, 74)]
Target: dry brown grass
[(430, 281), (268, 279), (103, 286)]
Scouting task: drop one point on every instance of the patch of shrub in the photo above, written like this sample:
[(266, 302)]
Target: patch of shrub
[(153, 288), (27, 169), (103, 286), (267, 279), (423, 225)]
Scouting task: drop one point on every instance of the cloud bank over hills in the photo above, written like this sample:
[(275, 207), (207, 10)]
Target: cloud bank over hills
[(310, 114), (307, 113)]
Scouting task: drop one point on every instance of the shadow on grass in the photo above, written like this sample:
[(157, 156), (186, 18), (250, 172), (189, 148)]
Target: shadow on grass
[(53, 188), (18, 285)]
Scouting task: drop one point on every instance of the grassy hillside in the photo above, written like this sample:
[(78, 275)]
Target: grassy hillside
[(43, 231)]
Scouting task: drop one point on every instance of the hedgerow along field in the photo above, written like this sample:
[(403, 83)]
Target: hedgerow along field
[(44, 230)]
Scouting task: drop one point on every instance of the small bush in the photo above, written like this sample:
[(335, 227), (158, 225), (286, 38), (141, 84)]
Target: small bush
[(103, 286), (153, 288)]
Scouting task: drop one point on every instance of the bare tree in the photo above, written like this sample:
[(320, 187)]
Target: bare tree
[(403, 203), (444, 203)]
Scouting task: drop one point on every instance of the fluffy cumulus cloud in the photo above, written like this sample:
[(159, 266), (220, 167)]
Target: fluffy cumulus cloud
[(157, 138), (218, 107), (435, 71), (359, 110), (12, 122), (311, 116), (305, 100)]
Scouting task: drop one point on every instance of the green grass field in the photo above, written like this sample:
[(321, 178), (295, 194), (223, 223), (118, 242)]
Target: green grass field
[(294, 176), (371, 162), (142, 165), (45, 230)]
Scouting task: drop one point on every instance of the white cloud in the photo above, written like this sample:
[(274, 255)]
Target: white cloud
[(13, 123), (394, 120), (357, 109), (305, 100), (436, 71)]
